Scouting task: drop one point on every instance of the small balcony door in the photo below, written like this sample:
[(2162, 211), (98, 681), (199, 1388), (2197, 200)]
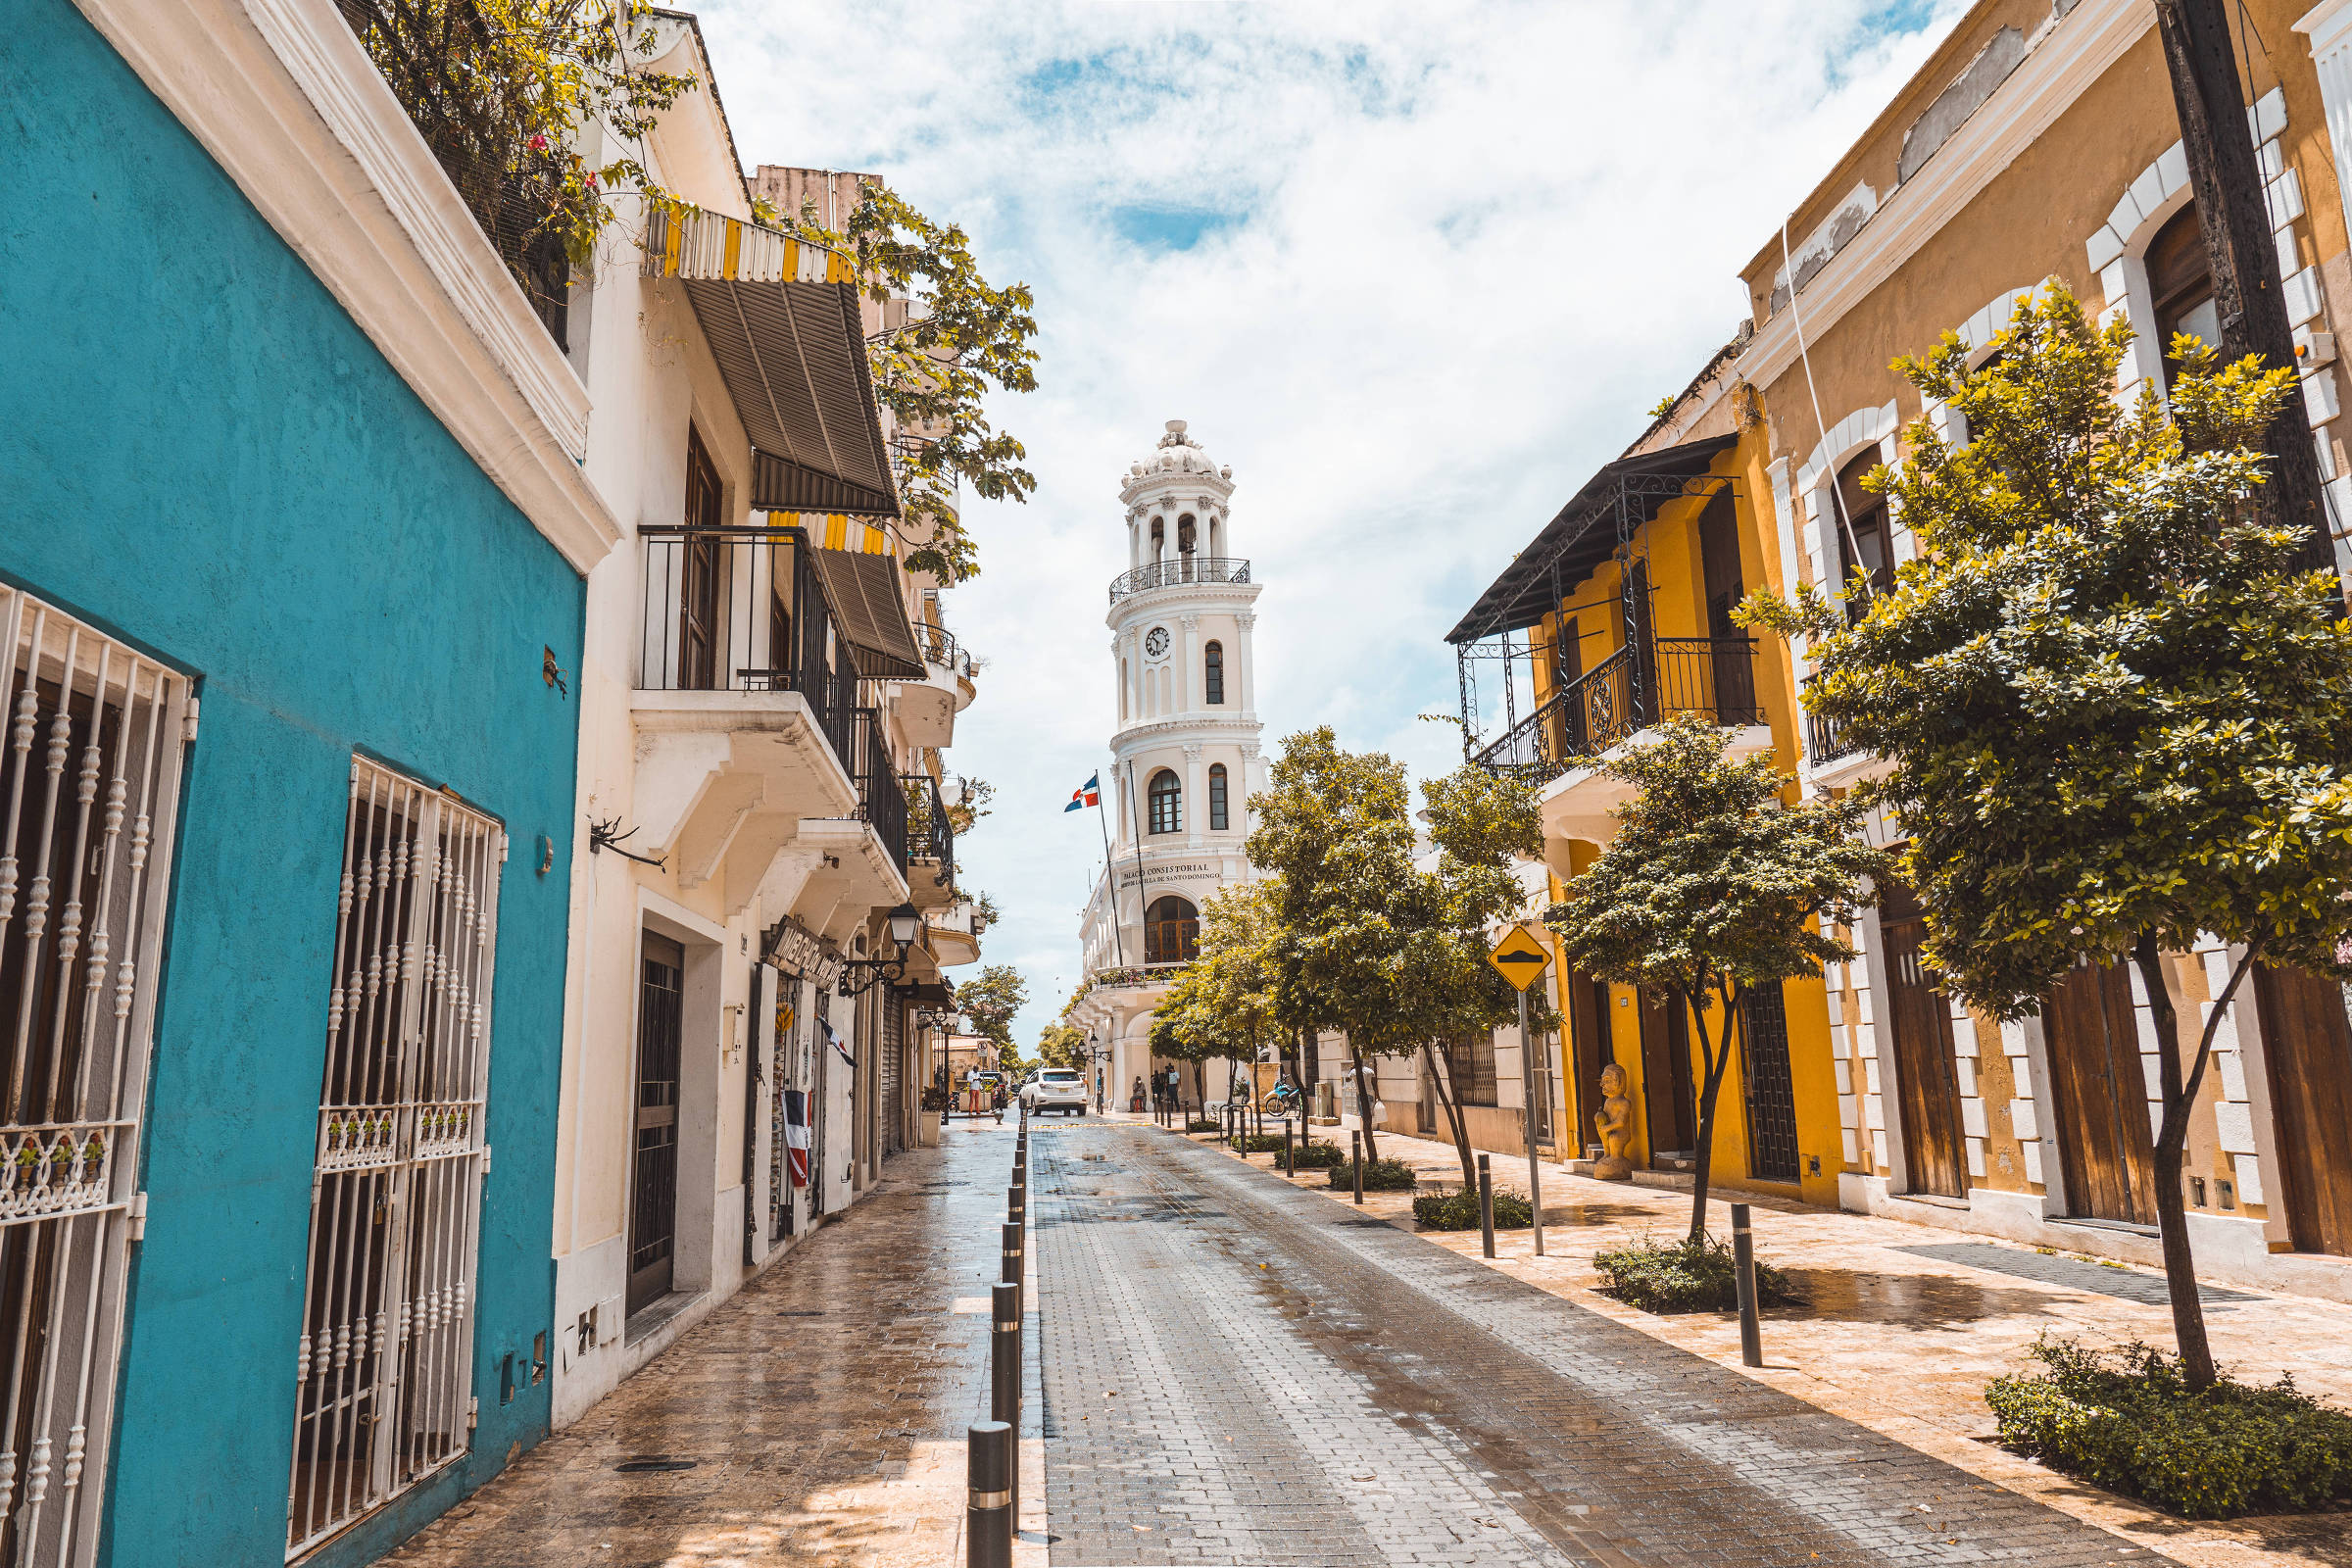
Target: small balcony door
[(699, 586), (653, 1178), (1668, 1090)]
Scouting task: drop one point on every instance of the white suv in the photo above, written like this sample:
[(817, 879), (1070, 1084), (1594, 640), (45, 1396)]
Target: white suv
[(1061, 1088)]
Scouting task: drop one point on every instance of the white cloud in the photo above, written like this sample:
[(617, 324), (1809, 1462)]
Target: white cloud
[(1447, 255)]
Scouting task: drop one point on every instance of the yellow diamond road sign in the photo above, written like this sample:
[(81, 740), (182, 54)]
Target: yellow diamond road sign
[(1520, 958)]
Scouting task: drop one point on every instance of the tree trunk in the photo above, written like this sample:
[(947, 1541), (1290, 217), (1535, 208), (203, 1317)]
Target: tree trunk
[(1201, 1084), (1455, 1121), (2172, 1138), (1714, 1062), (1363, 1101), (2235, 220)]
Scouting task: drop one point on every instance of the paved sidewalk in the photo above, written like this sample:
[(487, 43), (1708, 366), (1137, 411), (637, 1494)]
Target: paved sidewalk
[(822, 1410), (1237, 1372), (1906, 1323)]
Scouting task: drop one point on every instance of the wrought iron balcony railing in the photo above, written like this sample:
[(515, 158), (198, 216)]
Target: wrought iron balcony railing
[(1826, 739), (930, 834), (881, 801), (1178, 569), (939, 647), (1640, 685), (1138, 974), (742, 610)]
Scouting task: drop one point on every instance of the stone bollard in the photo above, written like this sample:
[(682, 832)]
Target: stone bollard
[(1486, 1206), (1743, 1261), (988, 1519)]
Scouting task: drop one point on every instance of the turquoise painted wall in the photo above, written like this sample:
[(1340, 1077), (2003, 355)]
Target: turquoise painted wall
[(200, 450)]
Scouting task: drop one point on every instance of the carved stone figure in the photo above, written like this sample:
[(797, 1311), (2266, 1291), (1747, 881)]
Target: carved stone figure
[(1615, 1124)]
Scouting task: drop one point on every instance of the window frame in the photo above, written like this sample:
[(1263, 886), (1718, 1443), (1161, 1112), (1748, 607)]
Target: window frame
[(1163, 788)]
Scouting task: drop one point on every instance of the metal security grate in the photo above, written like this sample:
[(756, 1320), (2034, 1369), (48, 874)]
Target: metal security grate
[(89, 781), (382, 1369), (1771, 1154)]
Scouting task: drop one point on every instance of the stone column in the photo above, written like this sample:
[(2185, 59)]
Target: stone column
[(1196, 796), (1253, 781), (1244, 620), (1187, 676)]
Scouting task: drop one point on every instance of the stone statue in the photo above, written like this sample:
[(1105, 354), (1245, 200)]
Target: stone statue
[(1615, 1124)]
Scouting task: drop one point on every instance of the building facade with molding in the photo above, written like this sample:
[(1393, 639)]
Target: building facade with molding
[(1185, 749), (2040, 141), (570, 748), (296, 541)]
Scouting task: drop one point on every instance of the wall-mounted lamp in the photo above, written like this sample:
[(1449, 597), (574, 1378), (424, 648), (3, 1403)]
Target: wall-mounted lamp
[(905, 922)]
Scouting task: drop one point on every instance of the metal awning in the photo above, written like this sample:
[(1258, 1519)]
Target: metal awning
[(782, 319), (868, 612), (1584, 533)]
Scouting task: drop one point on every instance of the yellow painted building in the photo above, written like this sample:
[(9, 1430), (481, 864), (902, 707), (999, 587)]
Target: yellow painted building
[(1616, 617)]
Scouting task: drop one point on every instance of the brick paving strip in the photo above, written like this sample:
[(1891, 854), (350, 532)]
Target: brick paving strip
[(1236, 1371), (823, 1406), (1903, 1327)]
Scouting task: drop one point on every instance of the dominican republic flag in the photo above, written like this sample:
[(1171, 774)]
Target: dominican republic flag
[(1089, 792), (796, 1135)]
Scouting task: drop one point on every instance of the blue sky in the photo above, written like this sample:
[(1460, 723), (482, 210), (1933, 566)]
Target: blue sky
[(1412, 270)]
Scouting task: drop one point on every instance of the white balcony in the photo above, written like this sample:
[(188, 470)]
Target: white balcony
[(725, 777)]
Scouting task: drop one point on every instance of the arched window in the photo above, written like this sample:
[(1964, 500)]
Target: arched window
[(1865, 515), (1171, 930), (2181, 280), (1167, 803), (1212, 669), (1216, 796)]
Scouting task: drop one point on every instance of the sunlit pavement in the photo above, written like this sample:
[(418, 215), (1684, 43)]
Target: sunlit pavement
[(820, 1414), (1236, 1371), (1231, 1368)]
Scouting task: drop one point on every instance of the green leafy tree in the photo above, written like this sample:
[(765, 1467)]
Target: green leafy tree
[(1712, 887), (1366, 942), (2119, 717), (963, 338), (503, 89), (1061, 1045), (989, 1000), (1222, 1006)]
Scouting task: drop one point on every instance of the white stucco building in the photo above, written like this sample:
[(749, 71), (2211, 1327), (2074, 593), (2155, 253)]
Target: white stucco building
[(1184, 752)]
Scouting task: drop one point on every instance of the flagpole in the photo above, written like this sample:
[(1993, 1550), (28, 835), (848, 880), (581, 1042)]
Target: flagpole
[(1111, 878), (1143, 891)]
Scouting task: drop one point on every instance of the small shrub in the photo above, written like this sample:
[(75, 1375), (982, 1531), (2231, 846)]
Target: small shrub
[(2126, 1420), (1685, 1276), (1458, 1211), (1380, 1176), (1311, 1156), (1262, 1142), (1201, 1124)]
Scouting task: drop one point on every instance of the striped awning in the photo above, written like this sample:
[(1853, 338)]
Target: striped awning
[(869, 614), (782, 319)]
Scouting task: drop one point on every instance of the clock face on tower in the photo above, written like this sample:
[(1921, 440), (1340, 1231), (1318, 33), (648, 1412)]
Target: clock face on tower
[(1156, 642)]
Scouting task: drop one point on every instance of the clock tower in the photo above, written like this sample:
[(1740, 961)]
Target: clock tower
[(1185, 754)]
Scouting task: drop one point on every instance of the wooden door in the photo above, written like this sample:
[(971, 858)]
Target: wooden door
[(2307, 1042), (1926, 1081), (699, 585), (1590, 1040), (654, 1179), (1732, 684), (1666, 1084), (2104, 1147)]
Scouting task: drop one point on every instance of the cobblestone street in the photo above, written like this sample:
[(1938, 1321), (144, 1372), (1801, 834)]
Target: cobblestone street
[(1228, 1369), (1238, 1372)]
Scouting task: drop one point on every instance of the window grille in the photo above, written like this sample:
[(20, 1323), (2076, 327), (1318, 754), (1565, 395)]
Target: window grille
[(383, 1365), (1470, 1068), (1772, 1152), (89, 783)]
